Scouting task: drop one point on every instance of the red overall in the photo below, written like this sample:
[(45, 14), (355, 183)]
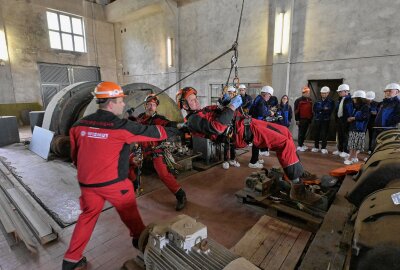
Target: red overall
[(211, 122), (273, 136), (156, 154), (100, 150)]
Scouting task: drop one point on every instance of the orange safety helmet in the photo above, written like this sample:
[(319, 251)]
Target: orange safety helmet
[(305, 89), (182, 94), (152, 98), (106, 90)]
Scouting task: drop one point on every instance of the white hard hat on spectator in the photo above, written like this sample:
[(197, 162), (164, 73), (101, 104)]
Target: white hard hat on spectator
[(359, 94), (370, 95), (267, 89), (231, 89), (343, 87), (242, 86), (391, 86), (325, 89)]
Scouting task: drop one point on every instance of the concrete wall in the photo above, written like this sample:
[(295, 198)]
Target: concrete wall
[(330, 39), (28, 43), (141, 35), (201, 30), (208, 28), (358, 41)]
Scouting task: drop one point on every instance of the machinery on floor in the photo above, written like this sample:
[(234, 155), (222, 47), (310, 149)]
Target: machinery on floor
[(183, 243), (269, 190)]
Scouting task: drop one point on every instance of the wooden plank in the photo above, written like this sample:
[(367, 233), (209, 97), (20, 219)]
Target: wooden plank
[(295, 253), (21, 229), (258, 243), (283, 212), (244, 194), (4, 218), (273, 252), (324, 251), (278, 254), (273, 244), (26, 205), (293, 211), (269, 241), (251, 239), (40, 228)]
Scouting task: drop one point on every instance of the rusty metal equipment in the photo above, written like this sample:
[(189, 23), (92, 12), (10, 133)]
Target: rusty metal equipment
[(382, 167), (375, 231), (258, 183)]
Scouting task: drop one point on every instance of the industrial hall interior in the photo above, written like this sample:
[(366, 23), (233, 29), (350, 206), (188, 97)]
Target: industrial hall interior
[(199, 134)]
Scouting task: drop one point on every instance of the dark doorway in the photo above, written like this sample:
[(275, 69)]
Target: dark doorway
[(315, 86)]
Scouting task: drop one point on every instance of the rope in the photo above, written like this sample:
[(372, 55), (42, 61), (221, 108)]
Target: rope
[(235, 53), (190, 74), (233, 64)]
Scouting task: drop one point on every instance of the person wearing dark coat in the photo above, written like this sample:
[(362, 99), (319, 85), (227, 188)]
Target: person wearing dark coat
[(322, 109)]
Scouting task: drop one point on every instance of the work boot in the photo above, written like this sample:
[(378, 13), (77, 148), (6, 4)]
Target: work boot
[(299, 192), (181, 199), (81, 265)]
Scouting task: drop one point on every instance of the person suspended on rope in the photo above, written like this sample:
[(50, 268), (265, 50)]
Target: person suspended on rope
[(154, 152), (212, 122)]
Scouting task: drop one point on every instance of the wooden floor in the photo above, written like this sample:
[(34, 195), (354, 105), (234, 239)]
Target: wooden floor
[(211, 201), (273, 244)]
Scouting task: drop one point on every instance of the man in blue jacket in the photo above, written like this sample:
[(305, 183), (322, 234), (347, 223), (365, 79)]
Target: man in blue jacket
[(388, 116), (343, 110), (260, 110), (322, 115), (246, 99)]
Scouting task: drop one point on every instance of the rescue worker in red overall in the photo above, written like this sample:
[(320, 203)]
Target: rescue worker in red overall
[(212, 122), (100, 151), (151, 117)]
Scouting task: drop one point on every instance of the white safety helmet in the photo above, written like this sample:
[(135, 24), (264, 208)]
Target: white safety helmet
[(231, 89), (359, 94), (391, 86), (242, 86), (267, 89), (370, 95), (325, 89), (343, 87)]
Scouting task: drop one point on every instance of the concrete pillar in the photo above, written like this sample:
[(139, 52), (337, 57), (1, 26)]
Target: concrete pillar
[(9, 130)]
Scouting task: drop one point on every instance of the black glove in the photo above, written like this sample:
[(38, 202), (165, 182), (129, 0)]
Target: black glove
[(183, 128), (130, 111)]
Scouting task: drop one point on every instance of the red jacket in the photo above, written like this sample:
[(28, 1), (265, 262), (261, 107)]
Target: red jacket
[(209, 122), (303, 108), (100, 146)]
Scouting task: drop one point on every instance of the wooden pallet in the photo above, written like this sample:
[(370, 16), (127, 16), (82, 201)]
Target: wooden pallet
[(273, 244), (283, 211), (331, 245)]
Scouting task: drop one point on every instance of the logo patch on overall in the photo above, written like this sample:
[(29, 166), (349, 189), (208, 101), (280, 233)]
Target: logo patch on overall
[(97, 135)]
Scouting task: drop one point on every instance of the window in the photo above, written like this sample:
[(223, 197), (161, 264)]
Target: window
[(66, 32)]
